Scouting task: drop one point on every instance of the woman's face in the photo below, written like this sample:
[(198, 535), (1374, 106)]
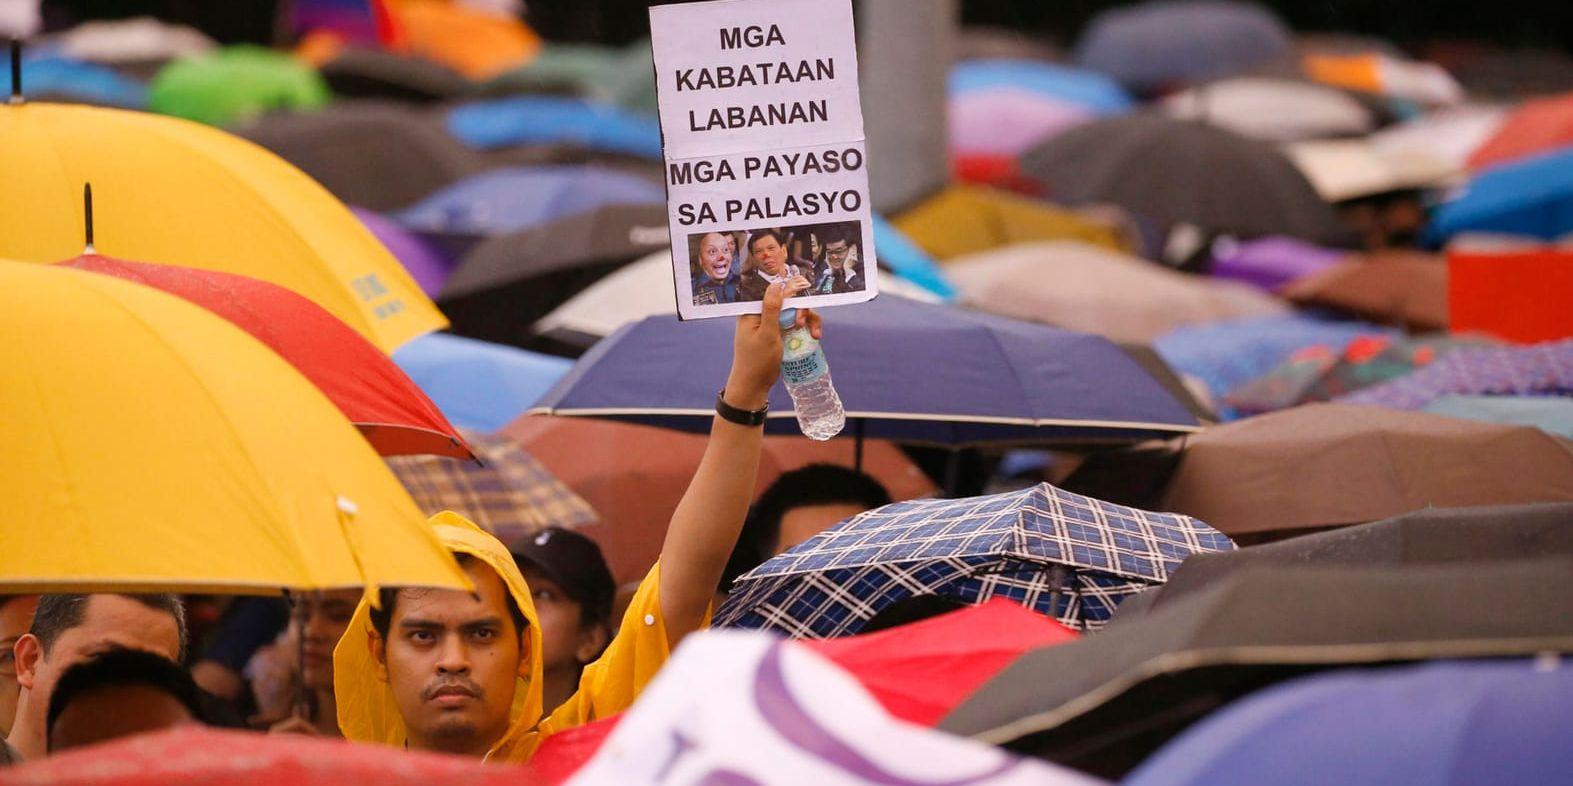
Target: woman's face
[(715, 255), (814, 246)]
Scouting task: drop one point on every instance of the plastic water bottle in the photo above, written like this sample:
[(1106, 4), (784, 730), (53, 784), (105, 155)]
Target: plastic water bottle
[(807, 377)]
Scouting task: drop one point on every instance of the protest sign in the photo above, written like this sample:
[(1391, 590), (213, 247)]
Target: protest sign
[(762, 132)]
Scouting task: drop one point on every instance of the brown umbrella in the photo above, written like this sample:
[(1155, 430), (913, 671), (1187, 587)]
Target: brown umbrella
[(509, 495), (1407, 288), (635, 475), (1325, 465), (1087, 288)]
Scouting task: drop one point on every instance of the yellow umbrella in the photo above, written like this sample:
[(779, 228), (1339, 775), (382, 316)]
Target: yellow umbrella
[(187, 194), (150, 445), (968, 219)]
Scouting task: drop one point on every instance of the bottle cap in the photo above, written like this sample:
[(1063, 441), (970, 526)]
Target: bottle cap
[(788, 318)]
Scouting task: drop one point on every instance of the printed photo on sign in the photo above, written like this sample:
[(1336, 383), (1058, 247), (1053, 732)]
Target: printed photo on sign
[(736, 266)]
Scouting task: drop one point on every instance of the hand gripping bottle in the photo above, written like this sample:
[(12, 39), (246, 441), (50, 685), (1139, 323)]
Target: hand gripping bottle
[(807, 378)]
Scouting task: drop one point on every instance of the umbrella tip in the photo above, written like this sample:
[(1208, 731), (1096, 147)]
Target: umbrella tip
[(16, 71), (87, 218)]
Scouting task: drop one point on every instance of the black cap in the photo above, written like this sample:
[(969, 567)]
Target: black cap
[(573, 562)]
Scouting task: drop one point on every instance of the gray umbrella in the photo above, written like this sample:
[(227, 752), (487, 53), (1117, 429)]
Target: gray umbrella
[(372, 73), (1181, 171), (373, 154), (1104, 703), (1166, 42)]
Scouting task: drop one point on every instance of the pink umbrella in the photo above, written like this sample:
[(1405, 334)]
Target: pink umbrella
[(1007, 121)]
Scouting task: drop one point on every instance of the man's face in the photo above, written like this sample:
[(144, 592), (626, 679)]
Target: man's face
[(111, 713), (800, 524), (16, 615), (836, 253), (321, 619), (108, 621), (715, 255), (769, 255), (559, 616), (452, 659)]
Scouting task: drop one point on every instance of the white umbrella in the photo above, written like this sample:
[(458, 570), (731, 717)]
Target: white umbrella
[(644, 288), (1275, 110), (139, 39), (1450, 135), (1343, 169)]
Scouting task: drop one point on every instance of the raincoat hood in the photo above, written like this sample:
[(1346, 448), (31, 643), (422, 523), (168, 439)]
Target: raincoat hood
[(367, 711)]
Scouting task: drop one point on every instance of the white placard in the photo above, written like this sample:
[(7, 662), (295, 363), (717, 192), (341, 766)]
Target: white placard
[(766, 169)]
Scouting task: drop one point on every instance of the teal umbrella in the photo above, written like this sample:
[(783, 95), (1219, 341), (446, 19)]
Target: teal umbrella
[(1552, 414)]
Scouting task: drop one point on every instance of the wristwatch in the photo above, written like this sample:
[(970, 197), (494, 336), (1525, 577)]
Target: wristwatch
[(742, 417)]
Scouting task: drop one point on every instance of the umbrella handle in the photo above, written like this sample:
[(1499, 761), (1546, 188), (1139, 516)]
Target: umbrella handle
[(16, 71)]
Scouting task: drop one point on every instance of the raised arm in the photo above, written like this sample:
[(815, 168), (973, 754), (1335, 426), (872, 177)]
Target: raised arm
[(706, 523)]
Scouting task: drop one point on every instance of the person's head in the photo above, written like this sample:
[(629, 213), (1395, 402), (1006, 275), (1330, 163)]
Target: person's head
[(16, 615), (320, 619), (768, 247), (69, 629), (837, 250), (452, 659), (799, 505), (118, 693), (573, 592), (716, 250)]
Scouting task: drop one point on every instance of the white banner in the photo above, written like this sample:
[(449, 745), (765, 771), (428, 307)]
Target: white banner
[(762, 132)]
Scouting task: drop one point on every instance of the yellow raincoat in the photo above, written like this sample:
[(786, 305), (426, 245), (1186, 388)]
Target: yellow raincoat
[(367, 712)]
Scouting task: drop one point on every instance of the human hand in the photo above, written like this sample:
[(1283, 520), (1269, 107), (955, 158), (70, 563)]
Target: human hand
[(756, 346)]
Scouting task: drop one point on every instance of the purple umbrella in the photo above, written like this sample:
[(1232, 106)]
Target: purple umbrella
[(428, 267), (1271, 262), (1537, 370), (1007, 121)]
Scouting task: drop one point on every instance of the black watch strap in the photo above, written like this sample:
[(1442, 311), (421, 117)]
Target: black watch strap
[(742, 417)]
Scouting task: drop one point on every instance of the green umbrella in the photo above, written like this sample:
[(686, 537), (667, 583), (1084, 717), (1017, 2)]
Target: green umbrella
[(599, 73), (235, 85)]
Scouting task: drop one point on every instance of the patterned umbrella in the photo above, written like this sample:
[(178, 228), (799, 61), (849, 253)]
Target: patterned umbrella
[(1058, 553), (1322, 372), (511, 495), (1537, 370)]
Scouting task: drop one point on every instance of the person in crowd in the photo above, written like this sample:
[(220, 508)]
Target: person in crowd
[(719, 272), (842, 271), (463, 672), (799, 505), (69, 629), (573, 590), (768, 250), (247, 625), (117, 693), (293, 678), (16, 615)]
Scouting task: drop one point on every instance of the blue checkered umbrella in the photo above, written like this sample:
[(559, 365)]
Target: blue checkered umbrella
[(1058, 553)]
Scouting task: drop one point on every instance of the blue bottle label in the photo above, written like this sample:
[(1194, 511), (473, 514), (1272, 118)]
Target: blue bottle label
[(801, 359)]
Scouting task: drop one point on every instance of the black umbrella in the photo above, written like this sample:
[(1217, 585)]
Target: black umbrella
[(1104, 703), (370, 73), (506, 283), (372, 154), (1436, 535), (1181, 171)]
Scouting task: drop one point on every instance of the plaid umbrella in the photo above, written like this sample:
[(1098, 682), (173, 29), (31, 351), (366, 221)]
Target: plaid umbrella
[(510, 496), (1058, 553), (1537, 370)]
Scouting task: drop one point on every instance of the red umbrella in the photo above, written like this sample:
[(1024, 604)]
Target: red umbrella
[(193, 755), (918, 672), (388, 408), (922, 671)]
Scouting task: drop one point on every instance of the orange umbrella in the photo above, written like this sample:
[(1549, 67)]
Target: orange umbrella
[(475, 43), (635, 475), (1538, 126)]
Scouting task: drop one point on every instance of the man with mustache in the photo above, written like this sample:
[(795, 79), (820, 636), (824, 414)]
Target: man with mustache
[(463, 672)]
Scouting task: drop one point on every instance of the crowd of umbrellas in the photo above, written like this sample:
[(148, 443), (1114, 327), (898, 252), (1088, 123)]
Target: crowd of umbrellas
[(1228, 386)]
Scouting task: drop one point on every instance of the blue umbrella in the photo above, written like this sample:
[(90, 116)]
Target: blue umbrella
[(1091, 89), (1058, 553), (906, 259), (1165, 42), (906, 371), (53, 78), (478, 385), (1498, 722), (543, 120), (1532, 196), (514, 199), (1224, 355)]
